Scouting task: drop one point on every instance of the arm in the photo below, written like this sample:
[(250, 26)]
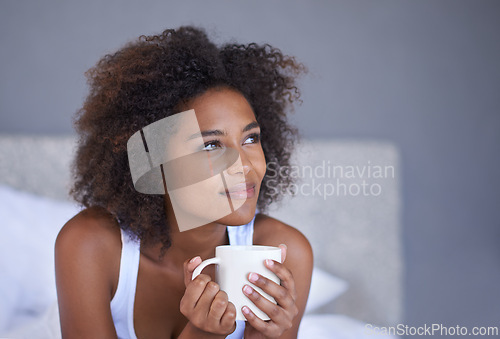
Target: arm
[(295, 274), (299, 262), (87, 256)]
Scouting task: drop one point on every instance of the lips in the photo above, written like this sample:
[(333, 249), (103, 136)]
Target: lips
[(241, 191), (241, 187)]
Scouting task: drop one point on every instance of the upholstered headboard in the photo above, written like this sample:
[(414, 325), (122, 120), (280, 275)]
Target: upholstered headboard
[(347, 203)]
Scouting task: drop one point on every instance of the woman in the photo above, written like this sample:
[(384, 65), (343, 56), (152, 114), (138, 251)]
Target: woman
[(123, 266)]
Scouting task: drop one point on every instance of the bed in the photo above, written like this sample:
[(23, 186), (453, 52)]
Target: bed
[(347, 202)]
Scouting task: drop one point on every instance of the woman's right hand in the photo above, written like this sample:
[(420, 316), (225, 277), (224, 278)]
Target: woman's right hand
[(205, 305)]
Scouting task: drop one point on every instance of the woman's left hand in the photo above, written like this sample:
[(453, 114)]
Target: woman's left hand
[(282, 313)]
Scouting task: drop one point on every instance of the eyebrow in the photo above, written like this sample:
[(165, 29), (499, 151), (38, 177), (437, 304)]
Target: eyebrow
[(252, 125)]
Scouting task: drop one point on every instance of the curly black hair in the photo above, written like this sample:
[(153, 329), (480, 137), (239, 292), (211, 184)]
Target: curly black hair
[(145, 81)]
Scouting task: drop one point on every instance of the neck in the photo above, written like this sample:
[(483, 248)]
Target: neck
[(199, 241)]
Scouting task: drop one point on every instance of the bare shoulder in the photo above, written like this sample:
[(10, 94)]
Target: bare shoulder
[(87, 263), (92, 240), (273, 232), (93, 229)]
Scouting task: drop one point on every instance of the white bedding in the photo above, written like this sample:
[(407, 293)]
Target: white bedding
[(313, 326), (28, 306)]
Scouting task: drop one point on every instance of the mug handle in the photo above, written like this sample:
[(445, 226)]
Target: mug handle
[(204, 264)]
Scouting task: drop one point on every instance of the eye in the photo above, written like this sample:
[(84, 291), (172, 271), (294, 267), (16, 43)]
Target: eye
[(253, 138), (211, 145)]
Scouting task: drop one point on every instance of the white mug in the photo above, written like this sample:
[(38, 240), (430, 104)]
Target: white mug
[(234, 263)]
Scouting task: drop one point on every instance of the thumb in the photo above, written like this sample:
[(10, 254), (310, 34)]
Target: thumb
[(284, 249), (189, 267)]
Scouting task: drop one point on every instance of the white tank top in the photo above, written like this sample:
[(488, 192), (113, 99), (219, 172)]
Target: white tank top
[(122, 304)]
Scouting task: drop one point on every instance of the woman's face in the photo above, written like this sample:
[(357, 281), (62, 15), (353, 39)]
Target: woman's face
[(228, 128)]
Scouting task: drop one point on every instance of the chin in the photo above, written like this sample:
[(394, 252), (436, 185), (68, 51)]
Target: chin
[(241, 216)]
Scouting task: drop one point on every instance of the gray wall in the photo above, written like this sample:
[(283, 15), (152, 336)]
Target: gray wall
[(422, 74)]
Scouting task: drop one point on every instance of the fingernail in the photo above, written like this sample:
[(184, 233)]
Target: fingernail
[(194, 259), (247, 289), (246, 310), (269, 262), (253, 277), (284, 245)]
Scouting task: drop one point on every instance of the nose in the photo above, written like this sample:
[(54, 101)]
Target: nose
[(241, 166)]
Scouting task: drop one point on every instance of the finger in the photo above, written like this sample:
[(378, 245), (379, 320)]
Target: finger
[(284, 250), (267, 328), (218, 306), (279, 293), (189, 267), (205, 301), (284, 274), (229, 317), (193, 292), (275, 312)]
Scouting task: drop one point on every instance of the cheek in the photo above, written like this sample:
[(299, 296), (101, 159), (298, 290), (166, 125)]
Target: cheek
[(260, 165)]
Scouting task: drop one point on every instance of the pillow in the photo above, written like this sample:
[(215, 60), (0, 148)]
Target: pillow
[(46, 326), (325, 287), (28, 228)]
